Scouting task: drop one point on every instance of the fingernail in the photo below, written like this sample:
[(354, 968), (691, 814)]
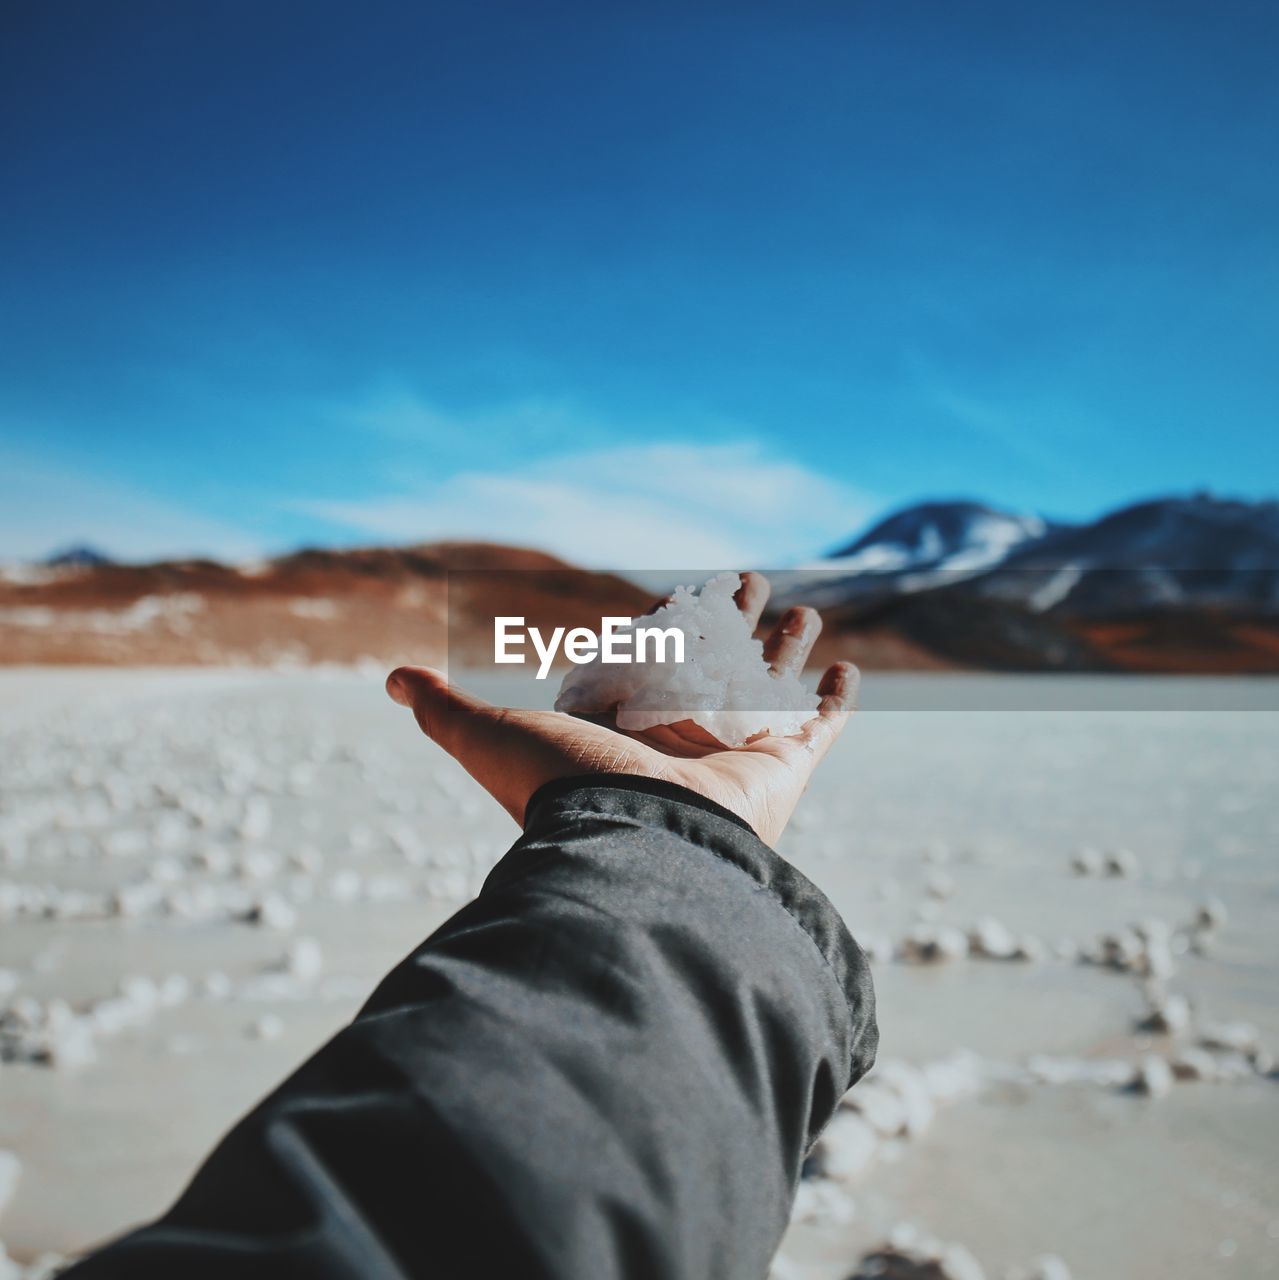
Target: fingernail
[(398, 693)]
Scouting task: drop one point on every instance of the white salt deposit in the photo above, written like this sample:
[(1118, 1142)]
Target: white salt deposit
[(724, 685)]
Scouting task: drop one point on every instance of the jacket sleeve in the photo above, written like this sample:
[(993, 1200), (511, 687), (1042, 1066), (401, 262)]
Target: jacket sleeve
[(610, 1064)]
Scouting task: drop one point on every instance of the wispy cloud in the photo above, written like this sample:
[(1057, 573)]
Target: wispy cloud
[(45, 505), (632, 506), (398, 412)]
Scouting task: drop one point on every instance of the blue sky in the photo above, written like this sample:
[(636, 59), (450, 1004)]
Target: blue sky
[(641, 283)]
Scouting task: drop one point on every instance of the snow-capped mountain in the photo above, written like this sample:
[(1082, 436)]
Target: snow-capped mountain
[(956, 536), (1182, 584), (927, 545), (1169, 553)]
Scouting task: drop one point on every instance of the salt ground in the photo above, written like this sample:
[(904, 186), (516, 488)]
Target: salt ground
[(204, 873)]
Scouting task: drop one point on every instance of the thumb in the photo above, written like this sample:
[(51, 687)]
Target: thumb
[(498, 748), (447, 714)]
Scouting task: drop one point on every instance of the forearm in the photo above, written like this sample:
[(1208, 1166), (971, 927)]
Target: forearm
[(610, 1063)]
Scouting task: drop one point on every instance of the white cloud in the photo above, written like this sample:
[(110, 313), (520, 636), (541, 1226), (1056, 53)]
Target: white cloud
[(632, 506), (45, 506)]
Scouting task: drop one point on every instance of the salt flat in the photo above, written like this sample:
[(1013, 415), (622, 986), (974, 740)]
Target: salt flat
[(247, 852)]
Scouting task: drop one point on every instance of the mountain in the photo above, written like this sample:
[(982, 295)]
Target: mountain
[(959, 536), (76, 556), (1170, 584), (384, 605), (1165, 554), (1180, 584), (917, 547), (1196, 551)]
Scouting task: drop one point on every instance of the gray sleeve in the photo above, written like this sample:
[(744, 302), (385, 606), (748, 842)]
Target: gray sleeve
[(610, 1064)]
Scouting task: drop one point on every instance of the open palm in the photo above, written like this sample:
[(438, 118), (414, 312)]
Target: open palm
[(512, 752)]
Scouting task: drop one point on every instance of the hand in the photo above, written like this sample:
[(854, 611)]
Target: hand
[(511, 752)]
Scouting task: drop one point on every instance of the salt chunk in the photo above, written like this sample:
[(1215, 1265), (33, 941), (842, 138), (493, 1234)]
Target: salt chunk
[(723, 685), (1239, 1037), (304, 959), (949, 1079), (928, 945), (1154, 1076), (909, 1256), (880, 1106), (940, 886), (1030, 948), (910, 1085), (1194, 1064), (1211, 914), (846, 1148), (1169, 1014), (822, 1202), (991, 939), (1088, 862), (877, 947), (1122, 863), (273, 912)]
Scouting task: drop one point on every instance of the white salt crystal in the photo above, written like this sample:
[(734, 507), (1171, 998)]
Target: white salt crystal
[(1088, 862), (273, 912), (940, 886), (267, 1027), (1212, 914), (1154, 1076), (1194, 1064), (821, 1201), (991, 939), (847, 1146), (723, 684), (303, 959), (910, 1085), (1240, 1037), (880, 1106), (1122, 863)]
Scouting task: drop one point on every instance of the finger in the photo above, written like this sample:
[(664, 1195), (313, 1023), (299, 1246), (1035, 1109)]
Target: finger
[(474, 732), (792, 640), (444, 712), (752, 596), (838, 694)]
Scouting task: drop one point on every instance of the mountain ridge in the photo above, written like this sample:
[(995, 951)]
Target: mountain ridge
[(1174, 584)]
